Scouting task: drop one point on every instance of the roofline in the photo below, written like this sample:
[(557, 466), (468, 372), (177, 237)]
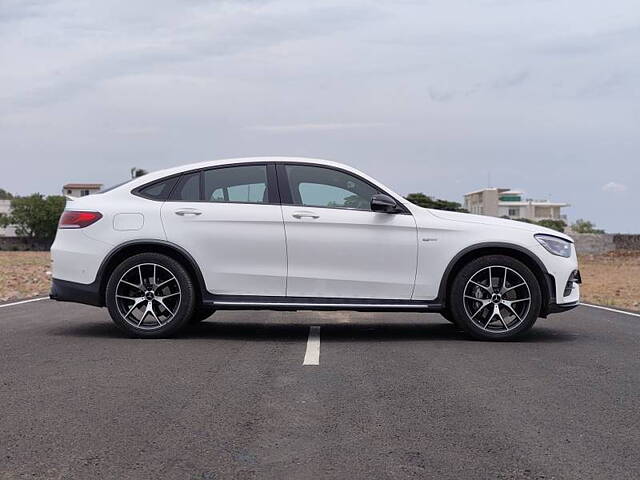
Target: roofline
[(82, 185), (156, 175)]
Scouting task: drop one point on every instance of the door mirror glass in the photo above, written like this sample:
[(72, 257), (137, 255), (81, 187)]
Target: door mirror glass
[(383, 203)]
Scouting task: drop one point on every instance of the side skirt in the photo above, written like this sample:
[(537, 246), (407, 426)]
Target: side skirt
[(242, 302)]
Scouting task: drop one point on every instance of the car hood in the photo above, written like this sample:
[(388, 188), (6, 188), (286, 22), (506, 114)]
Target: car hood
[(495, 222)]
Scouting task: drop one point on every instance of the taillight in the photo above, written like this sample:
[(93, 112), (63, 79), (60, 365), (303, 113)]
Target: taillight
[(71, 219)]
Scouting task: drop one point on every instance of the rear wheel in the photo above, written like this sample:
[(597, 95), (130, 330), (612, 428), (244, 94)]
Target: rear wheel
[(495, 298), (150, 295)]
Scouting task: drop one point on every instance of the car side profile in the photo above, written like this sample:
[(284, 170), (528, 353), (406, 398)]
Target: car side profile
[(173, 246)]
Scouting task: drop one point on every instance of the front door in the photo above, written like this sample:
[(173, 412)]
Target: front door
[(229, 219), (336, 246)]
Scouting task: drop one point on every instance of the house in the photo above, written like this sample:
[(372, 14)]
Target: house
[(504, 202), (81, 189), (5, 207)]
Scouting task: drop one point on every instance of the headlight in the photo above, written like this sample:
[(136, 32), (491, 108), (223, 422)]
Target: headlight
[(555, 245)]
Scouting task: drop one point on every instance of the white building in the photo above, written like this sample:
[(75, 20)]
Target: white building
[(81, 189), (5, 207), (504, 202)]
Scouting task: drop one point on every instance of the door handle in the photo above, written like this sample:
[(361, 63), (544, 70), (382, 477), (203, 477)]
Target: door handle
[(189, 211), (303, 214)]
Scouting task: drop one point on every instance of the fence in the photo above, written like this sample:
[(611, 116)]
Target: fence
[(594, 243), (22, 243)]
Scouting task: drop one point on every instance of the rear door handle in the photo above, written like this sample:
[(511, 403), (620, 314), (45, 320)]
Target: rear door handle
[(305, 214), (188, 211)]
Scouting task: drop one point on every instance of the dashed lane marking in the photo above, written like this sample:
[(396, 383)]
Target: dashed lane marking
[(312, 357)]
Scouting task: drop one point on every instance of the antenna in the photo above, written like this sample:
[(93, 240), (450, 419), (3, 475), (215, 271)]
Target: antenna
[(489, 179)]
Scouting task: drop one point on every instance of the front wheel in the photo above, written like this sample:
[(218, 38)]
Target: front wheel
[(150, 295), (495, 297)]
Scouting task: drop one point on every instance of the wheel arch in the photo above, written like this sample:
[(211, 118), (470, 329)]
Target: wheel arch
[(545, 280), (127, 249)]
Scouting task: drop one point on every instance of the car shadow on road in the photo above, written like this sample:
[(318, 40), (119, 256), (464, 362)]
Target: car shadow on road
[(352, 332)]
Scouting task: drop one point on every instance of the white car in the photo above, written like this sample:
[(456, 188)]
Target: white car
[(277, 233)]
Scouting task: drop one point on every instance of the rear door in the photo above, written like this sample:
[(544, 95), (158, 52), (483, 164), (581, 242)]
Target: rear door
[(230, 220), (337, 247)]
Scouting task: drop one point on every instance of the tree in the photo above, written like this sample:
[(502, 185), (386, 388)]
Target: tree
[(557, 225), (585, 226), (138, 172), (35, 216), (4, 195), (425, 201)]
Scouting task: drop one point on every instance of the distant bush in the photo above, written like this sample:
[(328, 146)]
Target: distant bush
[(426, 201), (35, 216), (557, 225), (4, 195), (585, 226)]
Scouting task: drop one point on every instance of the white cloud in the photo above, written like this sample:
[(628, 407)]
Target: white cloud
[(614, 187)]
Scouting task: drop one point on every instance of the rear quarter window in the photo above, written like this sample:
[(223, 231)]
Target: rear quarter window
[(159, 190)]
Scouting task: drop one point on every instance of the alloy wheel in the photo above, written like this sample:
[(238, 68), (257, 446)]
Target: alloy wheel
[(148, 296), (497, 299)]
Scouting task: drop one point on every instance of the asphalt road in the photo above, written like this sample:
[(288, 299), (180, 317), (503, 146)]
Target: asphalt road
[(394, 396)]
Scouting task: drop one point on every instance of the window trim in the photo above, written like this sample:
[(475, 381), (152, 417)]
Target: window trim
[(287, 196), (272, 184)]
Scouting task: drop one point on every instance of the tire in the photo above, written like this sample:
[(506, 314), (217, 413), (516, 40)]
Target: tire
[(506, 310), (200, 314), (150, 295)]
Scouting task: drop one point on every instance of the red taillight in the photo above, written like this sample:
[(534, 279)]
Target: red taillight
[(71, 219)]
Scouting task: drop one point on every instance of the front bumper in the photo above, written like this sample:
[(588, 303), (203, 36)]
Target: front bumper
[(65, 291)]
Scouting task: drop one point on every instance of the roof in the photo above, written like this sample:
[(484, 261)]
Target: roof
[(499, 190), (156, 175), (89, 186), (535, 203)]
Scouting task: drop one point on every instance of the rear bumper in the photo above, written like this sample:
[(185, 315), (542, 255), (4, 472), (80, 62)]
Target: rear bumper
[(65, 291)]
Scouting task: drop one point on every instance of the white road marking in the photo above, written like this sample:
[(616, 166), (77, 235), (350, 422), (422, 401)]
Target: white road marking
[(312, 357), (611, 309), (24, 301)]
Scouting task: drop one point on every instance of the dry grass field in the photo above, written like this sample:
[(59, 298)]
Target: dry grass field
[(24, 274), (612, 279)]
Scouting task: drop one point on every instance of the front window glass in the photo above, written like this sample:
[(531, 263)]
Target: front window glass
[(241, 184), (325, 187)]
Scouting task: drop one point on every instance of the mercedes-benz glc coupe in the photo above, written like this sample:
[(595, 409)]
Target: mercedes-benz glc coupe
[(172, 247)]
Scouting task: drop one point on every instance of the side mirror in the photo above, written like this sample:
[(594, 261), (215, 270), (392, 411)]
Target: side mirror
[(383, 203)]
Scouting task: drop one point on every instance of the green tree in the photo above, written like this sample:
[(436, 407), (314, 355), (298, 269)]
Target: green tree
[(4, 195), (138, 172), (426, 201), (35, 216), (585, 226), (557, 225)]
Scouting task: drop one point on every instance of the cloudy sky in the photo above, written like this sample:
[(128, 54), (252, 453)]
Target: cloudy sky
[(431, 96)]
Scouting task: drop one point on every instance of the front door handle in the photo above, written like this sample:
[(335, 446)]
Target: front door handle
[(305, 214), (188, 211)]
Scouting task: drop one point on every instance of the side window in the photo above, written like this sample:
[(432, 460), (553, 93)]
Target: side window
[(158, 190), (188, 188), (240, 184), (324, 187)]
